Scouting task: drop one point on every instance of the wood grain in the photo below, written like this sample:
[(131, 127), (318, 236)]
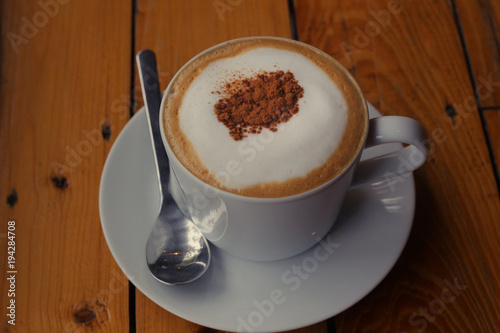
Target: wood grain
[(493, 121), (177, 31), (409, 61), (62, 65), (480, 21)]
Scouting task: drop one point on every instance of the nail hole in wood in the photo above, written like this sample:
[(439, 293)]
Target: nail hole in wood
[(60, 182), (106, 131), (451, 112), (12, 198)]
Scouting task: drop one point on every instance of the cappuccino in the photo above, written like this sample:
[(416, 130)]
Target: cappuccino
[(264, 117)]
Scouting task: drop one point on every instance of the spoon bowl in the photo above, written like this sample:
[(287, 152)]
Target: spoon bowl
[(176, 251)]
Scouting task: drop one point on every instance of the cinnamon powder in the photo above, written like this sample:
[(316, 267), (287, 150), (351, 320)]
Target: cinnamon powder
[(261, 101)]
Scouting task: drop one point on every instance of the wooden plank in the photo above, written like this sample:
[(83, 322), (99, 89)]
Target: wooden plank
[(480, 21), (148, 313), (317, 328), (177, 31), (62, 64), (493, 123), (409, 61)]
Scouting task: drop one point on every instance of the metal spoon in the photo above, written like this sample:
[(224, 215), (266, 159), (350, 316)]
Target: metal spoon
[(176, 251)]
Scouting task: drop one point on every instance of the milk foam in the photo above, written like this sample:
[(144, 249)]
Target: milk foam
[(300, 145)]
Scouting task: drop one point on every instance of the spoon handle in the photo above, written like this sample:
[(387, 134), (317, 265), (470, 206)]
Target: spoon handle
[(148, 74)]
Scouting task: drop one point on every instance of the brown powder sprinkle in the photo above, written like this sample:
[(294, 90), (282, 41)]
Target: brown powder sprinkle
[(261, 101)]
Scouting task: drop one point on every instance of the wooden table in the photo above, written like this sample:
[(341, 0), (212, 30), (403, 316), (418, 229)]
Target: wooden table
[(69, 85)]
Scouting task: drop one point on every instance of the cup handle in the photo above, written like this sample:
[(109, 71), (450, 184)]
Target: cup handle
[(392, 129)]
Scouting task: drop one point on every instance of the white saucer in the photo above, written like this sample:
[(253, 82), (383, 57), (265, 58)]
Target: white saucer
[(239, 295)]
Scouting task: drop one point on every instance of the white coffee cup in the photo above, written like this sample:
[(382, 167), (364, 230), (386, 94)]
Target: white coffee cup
[(267, 229)]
